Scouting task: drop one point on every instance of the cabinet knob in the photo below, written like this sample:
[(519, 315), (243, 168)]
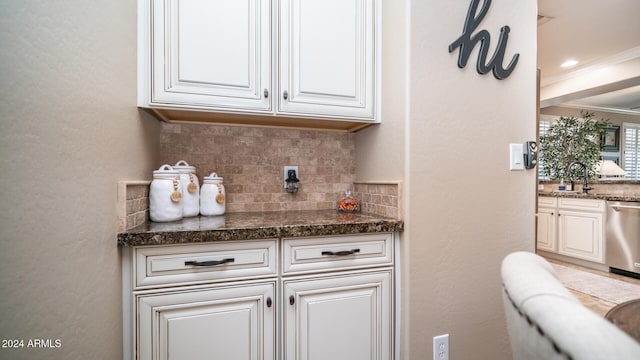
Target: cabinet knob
[(266, 93), (269, 302), (292, 300), (285, 95)]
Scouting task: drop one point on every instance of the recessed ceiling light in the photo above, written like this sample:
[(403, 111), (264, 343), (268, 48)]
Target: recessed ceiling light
[(569, 63)]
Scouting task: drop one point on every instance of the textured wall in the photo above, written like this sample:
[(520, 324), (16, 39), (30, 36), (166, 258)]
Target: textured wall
[(251, 161), (463, 209), (69, 130), (466, 209)]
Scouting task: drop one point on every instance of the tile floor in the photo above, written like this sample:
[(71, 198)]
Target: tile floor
[(599, 306)]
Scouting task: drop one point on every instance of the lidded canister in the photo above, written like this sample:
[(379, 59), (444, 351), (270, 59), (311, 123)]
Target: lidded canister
[(190, 188), (165, 195), (212, 195)]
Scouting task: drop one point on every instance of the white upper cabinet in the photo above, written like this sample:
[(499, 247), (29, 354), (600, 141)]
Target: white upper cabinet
[(328, 58), (311, 63), (209, 54)]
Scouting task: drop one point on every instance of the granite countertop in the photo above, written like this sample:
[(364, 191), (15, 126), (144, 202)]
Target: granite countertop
[(603, 181), (580, 195), (257, 225)]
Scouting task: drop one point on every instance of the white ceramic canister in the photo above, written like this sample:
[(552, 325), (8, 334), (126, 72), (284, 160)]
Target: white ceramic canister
[(190, 188), (165, 195), (212, 195)]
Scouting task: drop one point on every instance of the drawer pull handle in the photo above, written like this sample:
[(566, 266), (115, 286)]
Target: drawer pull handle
[(340, 253), (268, 302), (209, 263), (292, 300)]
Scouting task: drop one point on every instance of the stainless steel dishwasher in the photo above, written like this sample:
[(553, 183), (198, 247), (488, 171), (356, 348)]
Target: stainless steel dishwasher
[(623, 237)]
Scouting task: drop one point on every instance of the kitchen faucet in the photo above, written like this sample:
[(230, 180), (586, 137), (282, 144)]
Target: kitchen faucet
[(585, 185)]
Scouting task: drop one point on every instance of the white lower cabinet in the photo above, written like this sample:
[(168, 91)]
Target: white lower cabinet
[(308, 298), (581, 235), (546, 229), (339, 317), (572, 227), (231, 323)]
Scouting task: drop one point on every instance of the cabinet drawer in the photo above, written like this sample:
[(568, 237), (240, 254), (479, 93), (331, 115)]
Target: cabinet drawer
[(336, 253), (582, 204), (189, 264), (545, 201)]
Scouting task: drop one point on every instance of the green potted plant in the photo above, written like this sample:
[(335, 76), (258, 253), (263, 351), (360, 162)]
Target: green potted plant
[(570, 140)]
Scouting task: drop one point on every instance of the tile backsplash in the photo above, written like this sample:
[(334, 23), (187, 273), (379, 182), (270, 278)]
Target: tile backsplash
[(598, 187), (132, 203), (251, 161), (379, 198)]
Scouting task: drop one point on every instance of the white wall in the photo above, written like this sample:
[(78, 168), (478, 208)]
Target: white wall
[(379, 155), (464, 209), (69, 130)]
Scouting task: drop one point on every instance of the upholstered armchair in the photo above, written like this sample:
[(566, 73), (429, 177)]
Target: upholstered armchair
[(545, 321)]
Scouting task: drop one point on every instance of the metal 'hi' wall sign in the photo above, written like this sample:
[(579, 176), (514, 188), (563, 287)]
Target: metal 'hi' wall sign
[(467, 41)]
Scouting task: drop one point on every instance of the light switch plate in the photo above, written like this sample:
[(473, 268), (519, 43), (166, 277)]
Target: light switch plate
[(516, 157)]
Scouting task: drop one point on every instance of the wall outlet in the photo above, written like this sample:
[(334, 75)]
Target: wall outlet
[(441, 347), (286, 171)]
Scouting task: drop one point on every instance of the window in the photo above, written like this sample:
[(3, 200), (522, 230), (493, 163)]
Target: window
[(631, 150)]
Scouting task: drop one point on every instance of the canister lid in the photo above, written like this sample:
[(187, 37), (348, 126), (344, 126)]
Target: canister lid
[(183, 167), (165, 171), (213, 177)]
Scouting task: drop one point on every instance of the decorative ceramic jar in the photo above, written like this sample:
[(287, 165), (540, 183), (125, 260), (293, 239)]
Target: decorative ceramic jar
[(165, 195), (212, 195), (190, 188)]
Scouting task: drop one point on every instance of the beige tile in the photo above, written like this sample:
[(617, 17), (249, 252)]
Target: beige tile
[(251, 160), (599, 306)]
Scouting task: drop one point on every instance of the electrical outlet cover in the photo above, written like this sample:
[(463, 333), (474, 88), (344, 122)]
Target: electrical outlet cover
[(441, 347)]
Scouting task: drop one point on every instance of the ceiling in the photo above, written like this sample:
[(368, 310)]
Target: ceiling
[(597, 33)]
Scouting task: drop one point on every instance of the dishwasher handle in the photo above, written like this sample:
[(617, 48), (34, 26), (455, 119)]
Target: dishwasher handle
[(618, 207)]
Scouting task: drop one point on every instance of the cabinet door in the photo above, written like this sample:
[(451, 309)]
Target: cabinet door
[(342, 317), (328, 58), (210, 54), (231, 323), (546, 229), (580, 235)]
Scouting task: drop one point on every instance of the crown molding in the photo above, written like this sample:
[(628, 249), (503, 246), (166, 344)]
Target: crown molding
[(622, 57)]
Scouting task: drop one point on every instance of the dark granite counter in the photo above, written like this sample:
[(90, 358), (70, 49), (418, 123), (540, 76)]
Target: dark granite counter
[(257, 225), (580, 195)]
